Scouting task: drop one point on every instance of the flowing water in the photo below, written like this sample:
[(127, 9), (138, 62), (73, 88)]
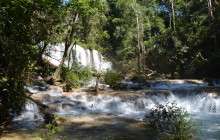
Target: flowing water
[(76, 53), (199, 99)]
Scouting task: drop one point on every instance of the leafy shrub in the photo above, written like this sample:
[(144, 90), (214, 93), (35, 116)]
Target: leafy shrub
[(44, 68), (172, 120), (75, 74), (84, 73), (113, 79), (70, 78), (138, 78), (51, 131)]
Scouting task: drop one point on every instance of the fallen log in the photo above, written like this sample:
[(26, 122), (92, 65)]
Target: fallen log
[(49, 118)]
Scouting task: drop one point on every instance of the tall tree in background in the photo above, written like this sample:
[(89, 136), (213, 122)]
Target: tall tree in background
[(175, 38), (82, 24), (133, 28), (124, 28), (72, 18)]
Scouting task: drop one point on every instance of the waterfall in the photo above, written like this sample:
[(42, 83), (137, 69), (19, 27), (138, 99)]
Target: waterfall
[(135, 104), (85, 57), (30, 116), (197, 98)]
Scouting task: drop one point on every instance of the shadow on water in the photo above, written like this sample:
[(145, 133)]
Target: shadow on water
[(10, 133), (105, 128), (88, 127)]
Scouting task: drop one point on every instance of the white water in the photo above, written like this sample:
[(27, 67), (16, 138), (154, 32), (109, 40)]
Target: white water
[(29, 118), (202, 104), (85, 57)]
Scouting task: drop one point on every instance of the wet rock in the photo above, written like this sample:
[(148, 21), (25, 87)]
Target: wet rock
[(67, 107), (49, 118), (49, 80), (41, 97), (36, 88), (53, 108), (79, 108), (56, 88), (157, 93)]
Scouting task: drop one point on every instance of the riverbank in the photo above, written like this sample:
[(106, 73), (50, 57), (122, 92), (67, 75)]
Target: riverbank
[(89, 127)]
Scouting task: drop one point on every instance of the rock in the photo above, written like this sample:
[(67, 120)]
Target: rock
[(53, 108), (56, 88), (49, 80), (67, 106), (41, 97), (49, 118)]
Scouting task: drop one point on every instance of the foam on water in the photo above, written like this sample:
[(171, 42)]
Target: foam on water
[(30, 117), (203, 105), (169, 85), (132, 106)]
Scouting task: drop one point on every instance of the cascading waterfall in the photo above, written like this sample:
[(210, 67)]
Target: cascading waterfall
[(199, 99), (30, 117), (85, 57)]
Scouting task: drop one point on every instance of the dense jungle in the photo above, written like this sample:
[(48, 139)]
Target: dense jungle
[(145, 44)]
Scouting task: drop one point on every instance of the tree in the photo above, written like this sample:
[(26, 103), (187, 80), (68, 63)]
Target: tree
[(123, 31), (80, 25), (23, 24)]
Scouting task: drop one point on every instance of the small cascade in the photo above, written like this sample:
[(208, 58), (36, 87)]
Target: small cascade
[(177, 84), (29, 118), (199, 99), (127, 104), (85, 57)]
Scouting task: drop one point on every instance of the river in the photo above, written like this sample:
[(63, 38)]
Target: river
[(111, 113)]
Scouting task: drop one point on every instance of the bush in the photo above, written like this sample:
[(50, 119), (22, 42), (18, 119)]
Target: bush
[(139, 78), (172, 120), (84, 73), (113, 79), (45, 69), (70, 78), (74, 75), (51, 131)]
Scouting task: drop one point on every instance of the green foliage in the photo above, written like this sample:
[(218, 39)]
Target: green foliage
[(23, 24), (83, 72), (177, 41), (113, 79), (75, 74), (138, 78), (91, 15), (70, 77), (51, 130), (173, 120), (180, 40), (44, 69)]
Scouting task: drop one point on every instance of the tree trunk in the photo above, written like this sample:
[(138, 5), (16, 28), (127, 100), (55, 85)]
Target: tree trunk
[(173, 15), (210, 10), (170, 22), (58, 71), (68, 42), (138, 38), (139, 48), (42, 51)]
